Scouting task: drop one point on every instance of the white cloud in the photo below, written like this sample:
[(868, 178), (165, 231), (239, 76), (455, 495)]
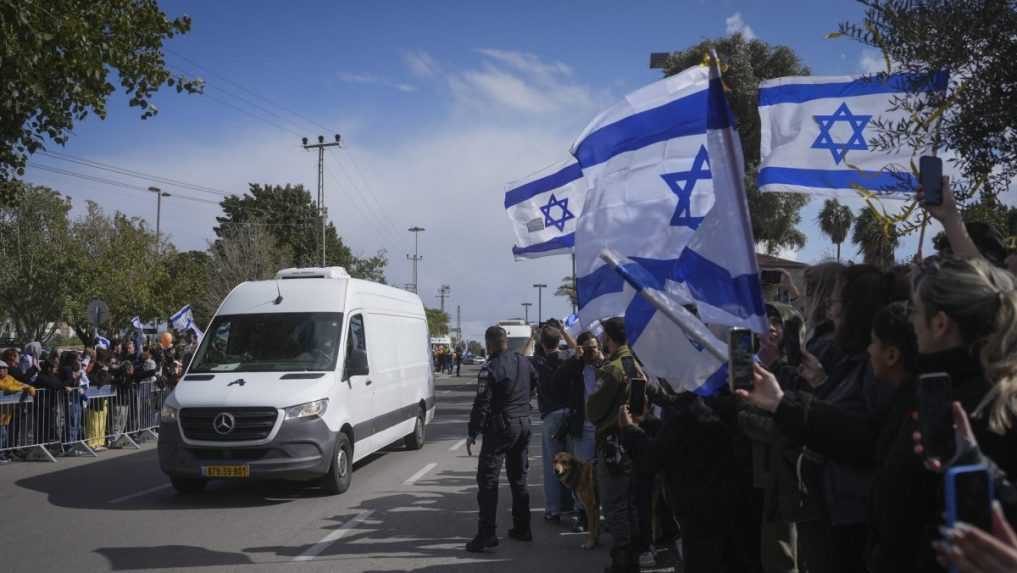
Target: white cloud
[(520, 82), (736, 25), (871, 62), (421, 64), (356, 78)]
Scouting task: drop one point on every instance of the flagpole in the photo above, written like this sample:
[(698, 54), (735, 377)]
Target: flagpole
[(575, 286), (678, 315)]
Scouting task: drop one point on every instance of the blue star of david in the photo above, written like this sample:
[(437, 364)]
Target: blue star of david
[(683, 212), (857, 139), (566, 215)]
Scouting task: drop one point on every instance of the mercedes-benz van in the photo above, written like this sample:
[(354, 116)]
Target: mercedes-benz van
[(298, 378)]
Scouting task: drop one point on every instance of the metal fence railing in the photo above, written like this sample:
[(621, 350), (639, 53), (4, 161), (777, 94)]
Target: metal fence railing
[(73, 421)]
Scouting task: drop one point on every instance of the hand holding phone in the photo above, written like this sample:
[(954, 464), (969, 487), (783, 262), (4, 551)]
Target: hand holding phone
[(969, 494)]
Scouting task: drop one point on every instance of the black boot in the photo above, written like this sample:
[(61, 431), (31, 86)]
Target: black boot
[(520, 533), (481, 542)]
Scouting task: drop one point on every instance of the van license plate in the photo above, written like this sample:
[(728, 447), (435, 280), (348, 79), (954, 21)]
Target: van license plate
[(243, 471)]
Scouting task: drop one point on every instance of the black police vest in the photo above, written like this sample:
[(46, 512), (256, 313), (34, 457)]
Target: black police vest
[(511, 373)]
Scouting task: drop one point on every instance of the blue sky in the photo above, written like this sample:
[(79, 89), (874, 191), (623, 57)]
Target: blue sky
[(439, 105)]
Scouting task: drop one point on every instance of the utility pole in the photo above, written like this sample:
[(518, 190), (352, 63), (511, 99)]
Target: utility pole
[(320, 146), (416, 258), (540, 304), (459, 324), (159, 194), (444, 292), (526, 310)]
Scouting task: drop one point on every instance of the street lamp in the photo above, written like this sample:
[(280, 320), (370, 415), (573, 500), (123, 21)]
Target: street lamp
[(526, 311), (540, 301), (159, 194)]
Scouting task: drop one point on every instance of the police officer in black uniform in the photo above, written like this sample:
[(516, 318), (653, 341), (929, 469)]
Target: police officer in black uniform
[(501, 413)]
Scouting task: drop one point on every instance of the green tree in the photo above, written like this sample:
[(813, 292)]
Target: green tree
[(973, 41), (567, 289), (289, 216), (59, 58), (242, 253), (115, 260), (775, 216), (835, 221), (876, 242), (187, 283), (437, 321), (35, 246)]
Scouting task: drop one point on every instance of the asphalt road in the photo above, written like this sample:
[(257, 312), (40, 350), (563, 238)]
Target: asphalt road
[(406, 511)]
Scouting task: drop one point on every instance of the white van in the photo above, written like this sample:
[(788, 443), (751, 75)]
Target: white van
[(298, 378)]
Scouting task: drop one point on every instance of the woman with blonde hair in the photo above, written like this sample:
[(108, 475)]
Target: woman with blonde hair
[(964, 311)]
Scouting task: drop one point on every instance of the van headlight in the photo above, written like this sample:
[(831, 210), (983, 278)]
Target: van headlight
[(316, 408), (168, 414)]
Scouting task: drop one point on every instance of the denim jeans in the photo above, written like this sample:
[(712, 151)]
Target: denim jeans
[(73, 418), (553, 490)]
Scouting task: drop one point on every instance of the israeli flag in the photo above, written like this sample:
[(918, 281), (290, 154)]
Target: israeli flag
[(101, 342), (648, 169), (544, 209), (183, 319), (713, 280), (817, 135), (136, 323)]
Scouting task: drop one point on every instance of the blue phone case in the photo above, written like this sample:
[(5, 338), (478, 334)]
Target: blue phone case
[(951, 488)]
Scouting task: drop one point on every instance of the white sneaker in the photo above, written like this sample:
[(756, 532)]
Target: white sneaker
[(647, 559)]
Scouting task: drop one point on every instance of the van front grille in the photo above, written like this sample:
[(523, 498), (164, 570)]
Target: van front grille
[(227, 424)]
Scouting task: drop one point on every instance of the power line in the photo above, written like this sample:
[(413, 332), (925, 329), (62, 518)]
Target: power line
[(363, 205), (110, 182), (250, 91), (132, 173)]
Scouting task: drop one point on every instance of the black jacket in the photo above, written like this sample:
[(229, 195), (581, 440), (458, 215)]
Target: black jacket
[(551, 395), (504, 388)]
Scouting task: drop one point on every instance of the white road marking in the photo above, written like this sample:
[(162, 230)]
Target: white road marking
[(316, 549), (140, 493), (420, 473), (457, 445)]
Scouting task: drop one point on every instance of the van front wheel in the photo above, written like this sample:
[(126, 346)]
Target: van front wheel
[(415, 441), (340, 475)]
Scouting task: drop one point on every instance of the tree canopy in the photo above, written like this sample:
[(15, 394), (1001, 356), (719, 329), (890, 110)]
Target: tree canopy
[(973, 41), (775, 216), (289, 216), (58, 57)]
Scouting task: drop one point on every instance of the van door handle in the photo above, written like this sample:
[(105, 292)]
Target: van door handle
[(368, 383)]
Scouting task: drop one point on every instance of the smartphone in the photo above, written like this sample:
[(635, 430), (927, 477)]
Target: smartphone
[(637, 396), (739, 349), (930, 177), (969, 494), (771, 277), (934, 416), (793, 341)]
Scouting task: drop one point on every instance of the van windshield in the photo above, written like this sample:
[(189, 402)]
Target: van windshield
[(276, 342)]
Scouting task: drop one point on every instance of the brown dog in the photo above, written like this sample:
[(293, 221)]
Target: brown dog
[(578, 476)]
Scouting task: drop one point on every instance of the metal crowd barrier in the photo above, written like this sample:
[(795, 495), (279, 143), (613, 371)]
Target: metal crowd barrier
[(71, 422)]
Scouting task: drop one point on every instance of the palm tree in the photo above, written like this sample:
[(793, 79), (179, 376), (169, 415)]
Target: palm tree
[(835, 220), (875, 243), (567, 288)]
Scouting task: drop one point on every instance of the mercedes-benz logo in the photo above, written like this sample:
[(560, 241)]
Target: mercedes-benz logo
[(223, 423)]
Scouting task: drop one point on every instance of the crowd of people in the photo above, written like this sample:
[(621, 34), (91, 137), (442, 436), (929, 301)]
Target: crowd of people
[(447, 359), (88, 397), (821, 465)]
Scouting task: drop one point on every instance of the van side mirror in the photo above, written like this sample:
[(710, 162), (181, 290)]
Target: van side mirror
[(356, 364)]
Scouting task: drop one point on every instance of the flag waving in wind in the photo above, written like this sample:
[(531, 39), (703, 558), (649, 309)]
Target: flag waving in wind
[(183, 320), (650, 184), (544, 209), (716, 274), (817, 134)]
